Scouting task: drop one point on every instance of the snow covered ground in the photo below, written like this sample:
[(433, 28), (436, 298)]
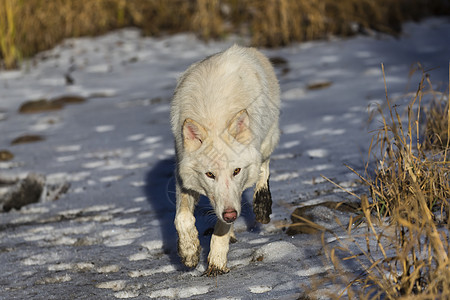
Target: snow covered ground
[(112, 234)]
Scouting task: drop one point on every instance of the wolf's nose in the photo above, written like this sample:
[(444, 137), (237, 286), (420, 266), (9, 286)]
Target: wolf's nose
[(229, 215)]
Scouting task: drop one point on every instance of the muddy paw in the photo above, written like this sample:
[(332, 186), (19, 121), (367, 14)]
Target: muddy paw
[(190, 261), (213, 271), (191, 256), (262, 205)]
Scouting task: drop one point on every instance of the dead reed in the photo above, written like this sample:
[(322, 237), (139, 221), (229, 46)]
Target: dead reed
[(27, 27), (8, 48), (437, 131), (405, 253)]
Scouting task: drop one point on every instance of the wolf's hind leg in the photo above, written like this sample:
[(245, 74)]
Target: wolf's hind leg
[(188, 243), (220, 241), (262, 199)]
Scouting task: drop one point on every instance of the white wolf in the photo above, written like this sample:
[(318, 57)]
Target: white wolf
[(224, 118)]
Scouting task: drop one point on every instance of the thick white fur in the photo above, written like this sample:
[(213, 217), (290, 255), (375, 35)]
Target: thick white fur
[(224, 118)]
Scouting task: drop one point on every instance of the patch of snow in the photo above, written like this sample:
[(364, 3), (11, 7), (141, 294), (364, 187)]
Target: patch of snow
[(41, 259), (282, 156), (55, 279), (111, 178), (290, 144), (126, 294), (135, 137), (115, 285), (259, 241), (94, 164), (276, 251), (317, 153), (193, 291), (153, 245), (121, 222), (138, 184), (329, 131), (260, 289), (285, 176), (79, 176), (104, 128), (151, 140), (293, 128), (145, 155), (150, 272), (139, 199), (293, 94), (312, 271), (63, 159), (108, 269), (167, 293)]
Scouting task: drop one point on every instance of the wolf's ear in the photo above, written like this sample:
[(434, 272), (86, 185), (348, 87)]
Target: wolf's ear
[(239, 127), (193, 135)]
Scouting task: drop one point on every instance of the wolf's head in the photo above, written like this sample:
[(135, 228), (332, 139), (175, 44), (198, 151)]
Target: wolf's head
[(220, 164)]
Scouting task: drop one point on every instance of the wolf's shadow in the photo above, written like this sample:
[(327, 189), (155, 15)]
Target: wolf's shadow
[(160, 193)]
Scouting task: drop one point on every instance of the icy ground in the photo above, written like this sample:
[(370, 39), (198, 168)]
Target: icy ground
[(112, 235)]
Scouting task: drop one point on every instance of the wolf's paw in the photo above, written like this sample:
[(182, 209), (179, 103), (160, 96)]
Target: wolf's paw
[(262, 205), (190, 255), (191, 261), (213, 271)]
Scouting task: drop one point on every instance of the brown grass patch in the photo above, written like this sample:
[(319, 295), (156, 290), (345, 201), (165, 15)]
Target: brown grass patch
[(437, 129), (406, 249), (27, 27)]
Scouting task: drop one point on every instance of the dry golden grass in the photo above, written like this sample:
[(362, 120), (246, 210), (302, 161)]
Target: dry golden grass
[(8, 48), (437, 129), (286, 21), (404, 165), (27, 27), (406, 250), (207, 19)]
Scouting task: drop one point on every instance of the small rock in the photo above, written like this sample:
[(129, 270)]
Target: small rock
[(133, 59), (27, 139), (44, 105), (38, 106), (69, 79), (25, 192), (5, 155), (319, 85), (280, 63), (54, 191), (156, 100), (315, 218), (34, 188)]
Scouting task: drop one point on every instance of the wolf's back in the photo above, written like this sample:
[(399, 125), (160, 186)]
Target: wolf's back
[(213, 90)]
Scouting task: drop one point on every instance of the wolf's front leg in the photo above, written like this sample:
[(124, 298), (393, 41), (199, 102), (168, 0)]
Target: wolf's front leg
[(220, 240), (262, 199), (188, 243)]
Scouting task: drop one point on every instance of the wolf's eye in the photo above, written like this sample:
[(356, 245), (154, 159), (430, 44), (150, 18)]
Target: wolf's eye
[(236, 171), (210, 175)]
